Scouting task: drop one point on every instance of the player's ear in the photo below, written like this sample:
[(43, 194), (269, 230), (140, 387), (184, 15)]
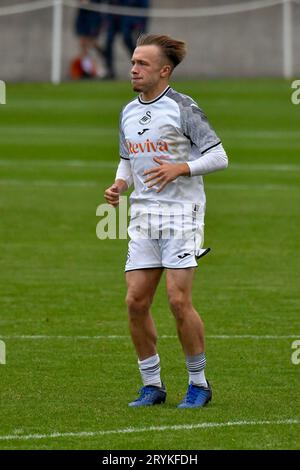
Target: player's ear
[(166, 71)]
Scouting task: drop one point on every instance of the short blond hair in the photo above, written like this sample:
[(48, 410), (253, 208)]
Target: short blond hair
[(172, 49)]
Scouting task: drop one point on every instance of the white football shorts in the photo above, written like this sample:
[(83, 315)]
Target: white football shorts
[(161, 245)]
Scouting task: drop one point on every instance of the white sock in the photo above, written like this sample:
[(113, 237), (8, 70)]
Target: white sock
[(196, 365), (150, 371)]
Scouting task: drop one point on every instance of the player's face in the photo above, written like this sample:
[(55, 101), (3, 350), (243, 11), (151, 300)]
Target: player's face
[(148, 68)]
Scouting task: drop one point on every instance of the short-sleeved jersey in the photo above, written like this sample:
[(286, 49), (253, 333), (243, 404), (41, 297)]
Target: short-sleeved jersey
[(173, 128)]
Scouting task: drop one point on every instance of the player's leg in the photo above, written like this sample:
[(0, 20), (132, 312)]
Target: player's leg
[(190, 327), (190, 330), (142, 285)]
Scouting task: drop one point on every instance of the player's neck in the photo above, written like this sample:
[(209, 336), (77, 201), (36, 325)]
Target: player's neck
[(154, 93)]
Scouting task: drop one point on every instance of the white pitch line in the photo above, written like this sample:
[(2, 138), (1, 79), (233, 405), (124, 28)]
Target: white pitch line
[(247, 187), (57, 163), (117, 337), (47, 183), (34, 131), (252, 336), (264, 167), (177, 427)]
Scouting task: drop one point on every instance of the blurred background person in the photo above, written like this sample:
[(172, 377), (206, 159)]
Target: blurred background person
[(129, 27), (88, 25)]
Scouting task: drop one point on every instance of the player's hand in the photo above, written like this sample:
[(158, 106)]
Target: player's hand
[(112, 195), (162, 174)]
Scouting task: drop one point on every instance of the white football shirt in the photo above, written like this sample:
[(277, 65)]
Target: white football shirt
[(173, 128)]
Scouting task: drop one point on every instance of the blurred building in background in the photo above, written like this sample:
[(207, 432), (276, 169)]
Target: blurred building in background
[(238, 44)]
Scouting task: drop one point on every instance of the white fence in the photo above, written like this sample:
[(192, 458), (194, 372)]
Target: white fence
[(244, 7)]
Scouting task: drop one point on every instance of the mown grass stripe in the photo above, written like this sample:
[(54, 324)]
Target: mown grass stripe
[(83, 184), (278, 167)]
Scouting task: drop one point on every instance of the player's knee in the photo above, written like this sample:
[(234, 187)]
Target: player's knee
[(137, 305), (179, 304)]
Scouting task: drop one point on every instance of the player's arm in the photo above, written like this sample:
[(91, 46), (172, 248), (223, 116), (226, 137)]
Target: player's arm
[(122, 182), (214, 159), (123, 178), (212, 156)]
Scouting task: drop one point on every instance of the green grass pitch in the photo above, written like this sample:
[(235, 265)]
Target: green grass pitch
[(58, 152)]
